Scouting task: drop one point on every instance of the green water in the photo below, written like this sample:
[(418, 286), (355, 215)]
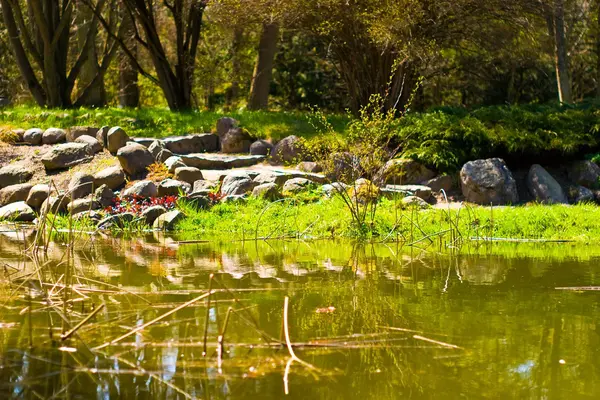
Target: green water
[(486, 323)]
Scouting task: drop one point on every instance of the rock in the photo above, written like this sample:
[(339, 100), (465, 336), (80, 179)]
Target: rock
[(421, 191), (188, 174), (12, 174), (66, 155), (115, 139), (159, 151), (104, 195), (202, 185), (113, 177), (55, 204), (118, 220), (237, 183), (197, 143), (167, 221), (309, 166), (345, 167), (414, 201), (14, 193), (543, 187), (199, 200), (225, 124), (439, 183), (37, 195), (269, 191), (296, 185), (82, 205), (278, 178), (33, 136), (53, 136), (261, 148), (17, 212), (584, 173), (236, 140), (331, 189), (220, 161), (364, 191), (79, 131), (286, 151), (18, 134), (404, 171), (151, 213), (143, 189), (488, 182), (101, 136), (135, 159), (580, 194), (173, 163), (146, 142), (81, 185), (92, 142), (172, 187)]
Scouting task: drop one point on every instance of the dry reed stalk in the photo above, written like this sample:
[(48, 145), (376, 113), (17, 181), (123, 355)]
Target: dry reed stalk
[(83, 322)]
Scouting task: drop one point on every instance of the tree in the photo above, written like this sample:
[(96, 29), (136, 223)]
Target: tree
[(129, 91), (263, 69), (555, 17), (41, 39)]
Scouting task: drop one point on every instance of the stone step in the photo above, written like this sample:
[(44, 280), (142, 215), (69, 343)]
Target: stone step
[(220, 161)]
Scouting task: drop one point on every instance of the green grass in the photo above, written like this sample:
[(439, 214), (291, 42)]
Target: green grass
[(157, 122)]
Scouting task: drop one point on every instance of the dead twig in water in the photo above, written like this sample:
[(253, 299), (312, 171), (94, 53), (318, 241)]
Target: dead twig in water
[(79, 325), (443, 344)]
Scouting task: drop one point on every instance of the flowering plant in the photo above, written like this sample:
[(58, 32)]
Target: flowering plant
[(137, 204)]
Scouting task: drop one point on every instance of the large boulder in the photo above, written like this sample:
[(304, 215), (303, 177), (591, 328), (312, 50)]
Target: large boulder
[(344, 166), (237, 183), (101, 136), (143, 189), (17, 212), (488, 182), (81, 205), (309, 166), (439, 183), (268, 191), (53, 136), (261, 148), (172, 187), (236, 140), (276, 177), (13, 193), (196, 143), (92, 142), (220, 161), (79, 131), (135, 159), (150, 214), (81, 185), (113, 177), (296, 185), (188, 174), (405, 171), (287, 150), (167, 221), (116, 138), (585, 173), (225, 124), (204, 186), (12, 174), (55, 204), (580, 194), (33, 136), (104, 195), (117, 220), (66, 155), (37, 194), (421, 191), (174, 162), (159, 151), (543, 187)]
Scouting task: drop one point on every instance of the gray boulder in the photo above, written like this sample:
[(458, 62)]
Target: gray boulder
[(66, 155), (12, 174), (143, 189), (261, 148), (159, 151), (237, 183), (296, 185), (580, 194), (81, 185), (543, 187), (33, 136), (115, 139), (53, 136), (220, 161), (421, 191), (225, 124), (488, 182), (104, 195), (269, 191), (415, 201), (236, 140), (55, 204), (309, 166), (439, 183), (204, 185), (331, 189), (276, 177), (14, 193), (113, 177), (81, 205), (167, 221), (172, 187), (101, 136), (584, 173), (135, 159), (150, 214), (173, 163), (188, 174), (79, 131), (118, 220), (17, 212), (92, 142), (19, 134), (405, 171), (196, 143), (37, 195), (287, 150)]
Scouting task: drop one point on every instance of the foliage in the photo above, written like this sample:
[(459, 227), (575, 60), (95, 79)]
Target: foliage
[(137, 205), (158, 172), (8, 136)]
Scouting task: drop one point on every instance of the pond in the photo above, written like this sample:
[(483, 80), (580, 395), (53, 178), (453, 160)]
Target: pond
[(131, 318)]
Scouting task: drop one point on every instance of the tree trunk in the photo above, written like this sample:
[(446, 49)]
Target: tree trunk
[(263, 70), (129, 91), (598, 49), (95, 96), (555, 19), (236, 66)]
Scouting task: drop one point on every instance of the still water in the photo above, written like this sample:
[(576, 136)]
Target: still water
[(366, 321)]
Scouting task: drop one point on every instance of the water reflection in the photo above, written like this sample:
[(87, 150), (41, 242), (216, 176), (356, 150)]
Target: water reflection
[(378, 321)]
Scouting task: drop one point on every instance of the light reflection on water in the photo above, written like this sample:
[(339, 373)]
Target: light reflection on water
[(517, 336)]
